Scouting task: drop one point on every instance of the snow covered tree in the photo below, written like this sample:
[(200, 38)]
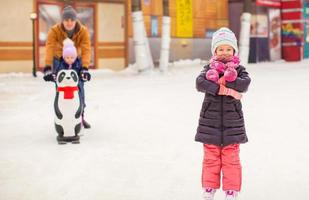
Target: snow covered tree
[(142, 51), (165, 37), (244, 37)]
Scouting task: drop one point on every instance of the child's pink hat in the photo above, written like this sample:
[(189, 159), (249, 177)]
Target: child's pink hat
[(69, 48)]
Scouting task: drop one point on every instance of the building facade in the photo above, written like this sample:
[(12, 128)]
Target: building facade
[(105, 20), (110, 25), (203, 17), (279, 29)]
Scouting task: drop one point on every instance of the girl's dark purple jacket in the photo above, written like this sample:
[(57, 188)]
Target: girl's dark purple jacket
[(221, 119)]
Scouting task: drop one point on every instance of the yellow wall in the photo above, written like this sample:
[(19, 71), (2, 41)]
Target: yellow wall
[(206, 14), (113, 63), (15, 21), (109, 22), (16, 35), (16, 66), (111, 35)]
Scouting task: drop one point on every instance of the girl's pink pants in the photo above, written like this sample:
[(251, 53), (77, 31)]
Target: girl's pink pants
[(218, 158)]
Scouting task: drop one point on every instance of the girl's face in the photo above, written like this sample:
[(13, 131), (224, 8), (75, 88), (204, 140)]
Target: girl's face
[(225, 50), (69, 60)]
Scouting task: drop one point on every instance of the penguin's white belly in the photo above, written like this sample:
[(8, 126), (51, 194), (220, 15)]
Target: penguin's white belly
[(68, 109)]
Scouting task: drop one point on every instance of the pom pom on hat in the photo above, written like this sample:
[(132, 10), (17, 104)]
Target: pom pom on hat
[(69, 48), (224, 36)]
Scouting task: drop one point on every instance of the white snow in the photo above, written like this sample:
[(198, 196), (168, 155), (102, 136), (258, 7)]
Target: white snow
[(141, 144)]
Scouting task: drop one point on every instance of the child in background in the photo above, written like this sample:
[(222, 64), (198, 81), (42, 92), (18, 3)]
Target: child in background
[(221, 124), (69, 60)]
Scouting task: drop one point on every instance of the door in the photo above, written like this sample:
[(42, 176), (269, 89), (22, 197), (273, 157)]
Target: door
[(111, 35), (49, 14)]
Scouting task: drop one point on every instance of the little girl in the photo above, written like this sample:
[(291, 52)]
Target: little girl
[(69, 60), (221, 125)]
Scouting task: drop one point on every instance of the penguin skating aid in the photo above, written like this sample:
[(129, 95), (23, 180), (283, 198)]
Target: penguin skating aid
[(68, 107)]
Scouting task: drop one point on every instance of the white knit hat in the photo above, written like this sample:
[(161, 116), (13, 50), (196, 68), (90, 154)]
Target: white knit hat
[(221, 37)]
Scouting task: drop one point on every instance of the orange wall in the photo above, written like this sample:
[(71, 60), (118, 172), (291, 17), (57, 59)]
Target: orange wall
[(207, 14)]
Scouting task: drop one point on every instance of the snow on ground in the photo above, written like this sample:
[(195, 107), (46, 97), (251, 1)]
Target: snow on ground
[(141, 145)]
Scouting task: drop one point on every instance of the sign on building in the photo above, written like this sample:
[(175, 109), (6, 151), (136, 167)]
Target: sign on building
[(184, 18)]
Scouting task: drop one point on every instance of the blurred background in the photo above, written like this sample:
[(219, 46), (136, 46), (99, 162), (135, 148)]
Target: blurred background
[(278, 30), (141, 143)]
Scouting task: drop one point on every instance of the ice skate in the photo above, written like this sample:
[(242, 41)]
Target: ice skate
[(208, 194), (231, 195)]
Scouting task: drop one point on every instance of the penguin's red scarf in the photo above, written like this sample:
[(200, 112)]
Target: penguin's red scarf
[(68, 91)]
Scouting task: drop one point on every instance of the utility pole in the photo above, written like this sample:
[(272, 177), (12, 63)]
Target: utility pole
[(33, 17)]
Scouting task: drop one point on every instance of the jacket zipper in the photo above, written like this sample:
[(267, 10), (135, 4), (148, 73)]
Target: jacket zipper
[(221, 120)]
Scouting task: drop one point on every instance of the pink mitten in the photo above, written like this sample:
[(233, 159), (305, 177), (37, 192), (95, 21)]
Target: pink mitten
[(222, 90), (212, 75), (230, 74), (219, 66)]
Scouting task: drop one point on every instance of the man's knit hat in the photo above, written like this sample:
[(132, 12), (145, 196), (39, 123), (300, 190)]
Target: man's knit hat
[(69, 48), (224, 36), (69, 13)]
